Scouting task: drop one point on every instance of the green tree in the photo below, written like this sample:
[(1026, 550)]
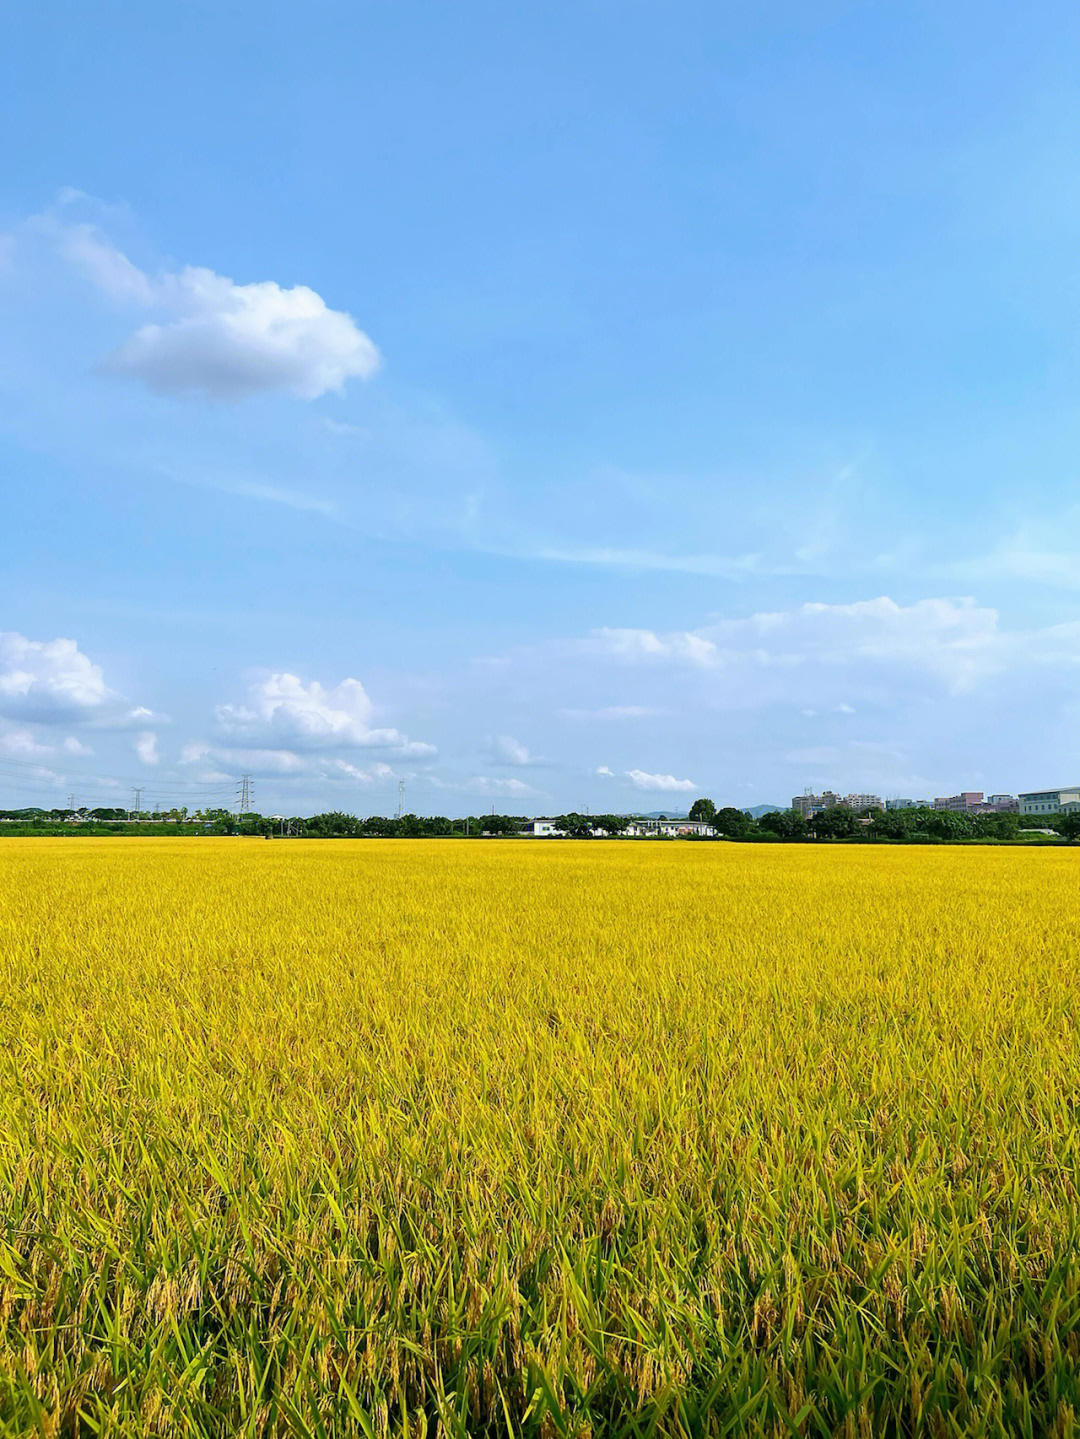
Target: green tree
[(785, 824), (837, 822), (703, 810), (577, 826), (733, 822)]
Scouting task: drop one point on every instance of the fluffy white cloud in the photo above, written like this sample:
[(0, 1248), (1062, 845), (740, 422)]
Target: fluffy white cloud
[(76, 746), (642, 780), (20, 742), (49, 680), (604, 770), (146, 747), (282, 708), (219, 338), (511, 751)]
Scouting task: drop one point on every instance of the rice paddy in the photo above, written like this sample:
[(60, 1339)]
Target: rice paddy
[(430, 1138)]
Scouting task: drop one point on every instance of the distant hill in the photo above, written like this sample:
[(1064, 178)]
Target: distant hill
[(757, 810)]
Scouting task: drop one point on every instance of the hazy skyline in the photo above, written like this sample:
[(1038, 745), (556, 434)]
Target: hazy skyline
[(571, 406)]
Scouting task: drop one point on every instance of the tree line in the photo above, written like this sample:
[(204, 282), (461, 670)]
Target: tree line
[(840, 824)]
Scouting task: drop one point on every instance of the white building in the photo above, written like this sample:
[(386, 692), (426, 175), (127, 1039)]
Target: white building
[(860, 803), (1051, 801), (810, 805), (672, 828), (637, 828), (545, 828)]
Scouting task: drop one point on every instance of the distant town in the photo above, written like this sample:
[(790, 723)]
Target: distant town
[(1038, 802), (1039, 815)]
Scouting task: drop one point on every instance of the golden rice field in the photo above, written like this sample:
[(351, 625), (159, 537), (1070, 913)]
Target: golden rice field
[(430, 1138)]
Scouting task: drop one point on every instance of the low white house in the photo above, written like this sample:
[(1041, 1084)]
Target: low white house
[(545, 828), (673, 828)]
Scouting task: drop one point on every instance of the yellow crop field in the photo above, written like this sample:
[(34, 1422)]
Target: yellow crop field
[(434, 1137)]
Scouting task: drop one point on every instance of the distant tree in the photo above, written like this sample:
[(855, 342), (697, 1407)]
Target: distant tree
[(996, 826), (785, 824), (1067, 825), (949, 824), (577, 826), (612, 823), (703, 810), (734, 822), (837, 822)]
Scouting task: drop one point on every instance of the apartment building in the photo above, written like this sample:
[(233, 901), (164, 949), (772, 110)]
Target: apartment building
[(861, 802), (1001, 804), (970, 802), (809, 805), (1050, 801)]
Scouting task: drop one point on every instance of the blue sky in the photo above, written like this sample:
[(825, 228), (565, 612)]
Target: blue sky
[(591, 405)]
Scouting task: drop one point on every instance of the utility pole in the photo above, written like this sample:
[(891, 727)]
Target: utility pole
[(138, 800), (245, 793), (400, 798)]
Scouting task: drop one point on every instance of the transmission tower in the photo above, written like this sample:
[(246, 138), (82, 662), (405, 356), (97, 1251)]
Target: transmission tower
[(245, 793), (400, 798), (138, 800), (71, 804)]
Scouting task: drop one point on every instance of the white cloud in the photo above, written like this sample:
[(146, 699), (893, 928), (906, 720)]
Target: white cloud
[(717, 566), (369, 774), (283, 708), (340, 428), (49, 680), (85, 246), (604, 770), (632, 645), (510, 750), (19, 741), (824, 656), (216, 337), (642, 780), (483, 784), (76, 746), (254, 758), (140, 714), (146, 747), (613, 712)]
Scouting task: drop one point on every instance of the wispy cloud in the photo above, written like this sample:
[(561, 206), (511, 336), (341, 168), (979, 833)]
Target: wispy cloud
[(717, 566), (642, 780)]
